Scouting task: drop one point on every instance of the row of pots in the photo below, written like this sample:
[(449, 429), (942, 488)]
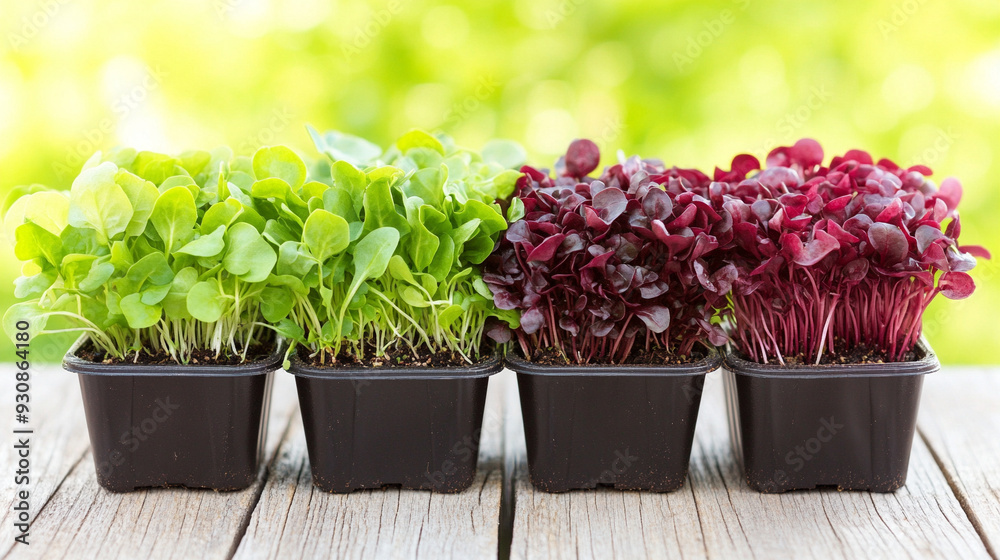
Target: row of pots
[(627, 427)]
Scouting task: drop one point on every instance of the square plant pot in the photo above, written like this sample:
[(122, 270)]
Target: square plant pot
[(416, 428), (848, 427), (629, 427), (171, 425)]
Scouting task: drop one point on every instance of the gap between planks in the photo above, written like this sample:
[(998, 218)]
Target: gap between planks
[(83, 520), (717, 516)]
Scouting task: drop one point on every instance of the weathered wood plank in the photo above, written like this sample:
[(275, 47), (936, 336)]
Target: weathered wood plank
[(58, 443), (960, 420), (717, 516), (83, 520), (295, 520)]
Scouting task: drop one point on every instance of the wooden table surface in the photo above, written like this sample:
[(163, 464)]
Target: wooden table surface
[(949, 508)]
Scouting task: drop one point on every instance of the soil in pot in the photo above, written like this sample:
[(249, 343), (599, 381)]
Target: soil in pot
[(170, 425), (629, 427), (844, 426), (413, 426)]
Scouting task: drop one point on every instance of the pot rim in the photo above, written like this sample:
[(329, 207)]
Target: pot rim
[(711, 362), (491, 365), (75, 364), (925, 364)]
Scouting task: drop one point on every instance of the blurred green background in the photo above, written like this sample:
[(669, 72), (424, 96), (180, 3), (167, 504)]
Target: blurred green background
[(692, 82)]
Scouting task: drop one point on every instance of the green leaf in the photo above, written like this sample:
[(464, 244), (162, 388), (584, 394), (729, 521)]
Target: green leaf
[(99, 274), (290, 330), (35, 285), (344, 147), (481, 288), (97, 202), (174, 217), (121, 257), (138, 314), (400, 271), (422, 245), (380, 210), (33, 241), (47, 209), (154, 167), (248, 254), (352, 180), (195, 161), (339, 202), (447, 317), (280, 162), (492, 219), (372, 253), (175, 303), (293, 260), (276, 304), (220, 214), (414, 297), (206, 302), (325, 234), (516, 211), (206, 245), (444, 258), (142, 196), (419, 139), (428, 184)]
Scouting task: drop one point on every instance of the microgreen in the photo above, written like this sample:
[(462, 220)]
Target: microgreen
[(386, 255), (830, 258), (598, 267), (150, 252)]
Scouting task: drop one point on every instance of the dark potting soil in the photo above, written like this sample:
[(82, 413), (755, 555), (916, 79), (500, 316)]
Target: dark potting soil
[(257, 352), (396, 358), (856, 355), (640, 356)]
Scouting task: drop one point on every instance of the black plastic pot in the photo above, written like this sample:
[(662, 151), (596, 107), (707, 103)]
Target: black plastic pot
[(839, 426), (629, 427), (194, 426), (414, 428)]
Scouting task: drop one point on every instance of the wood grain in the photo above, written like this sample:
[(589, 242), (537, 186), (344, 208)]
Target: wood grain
[(84, 521), (58, 443), (716, 515), (960, 420), (295, 520)]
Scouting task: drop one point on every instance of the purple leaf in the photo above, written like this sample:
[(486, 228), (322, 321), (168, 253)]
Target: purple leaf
[(889, 242), (582, 157), (956, 285), (656, 317), (546, 250), (610, 203)]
